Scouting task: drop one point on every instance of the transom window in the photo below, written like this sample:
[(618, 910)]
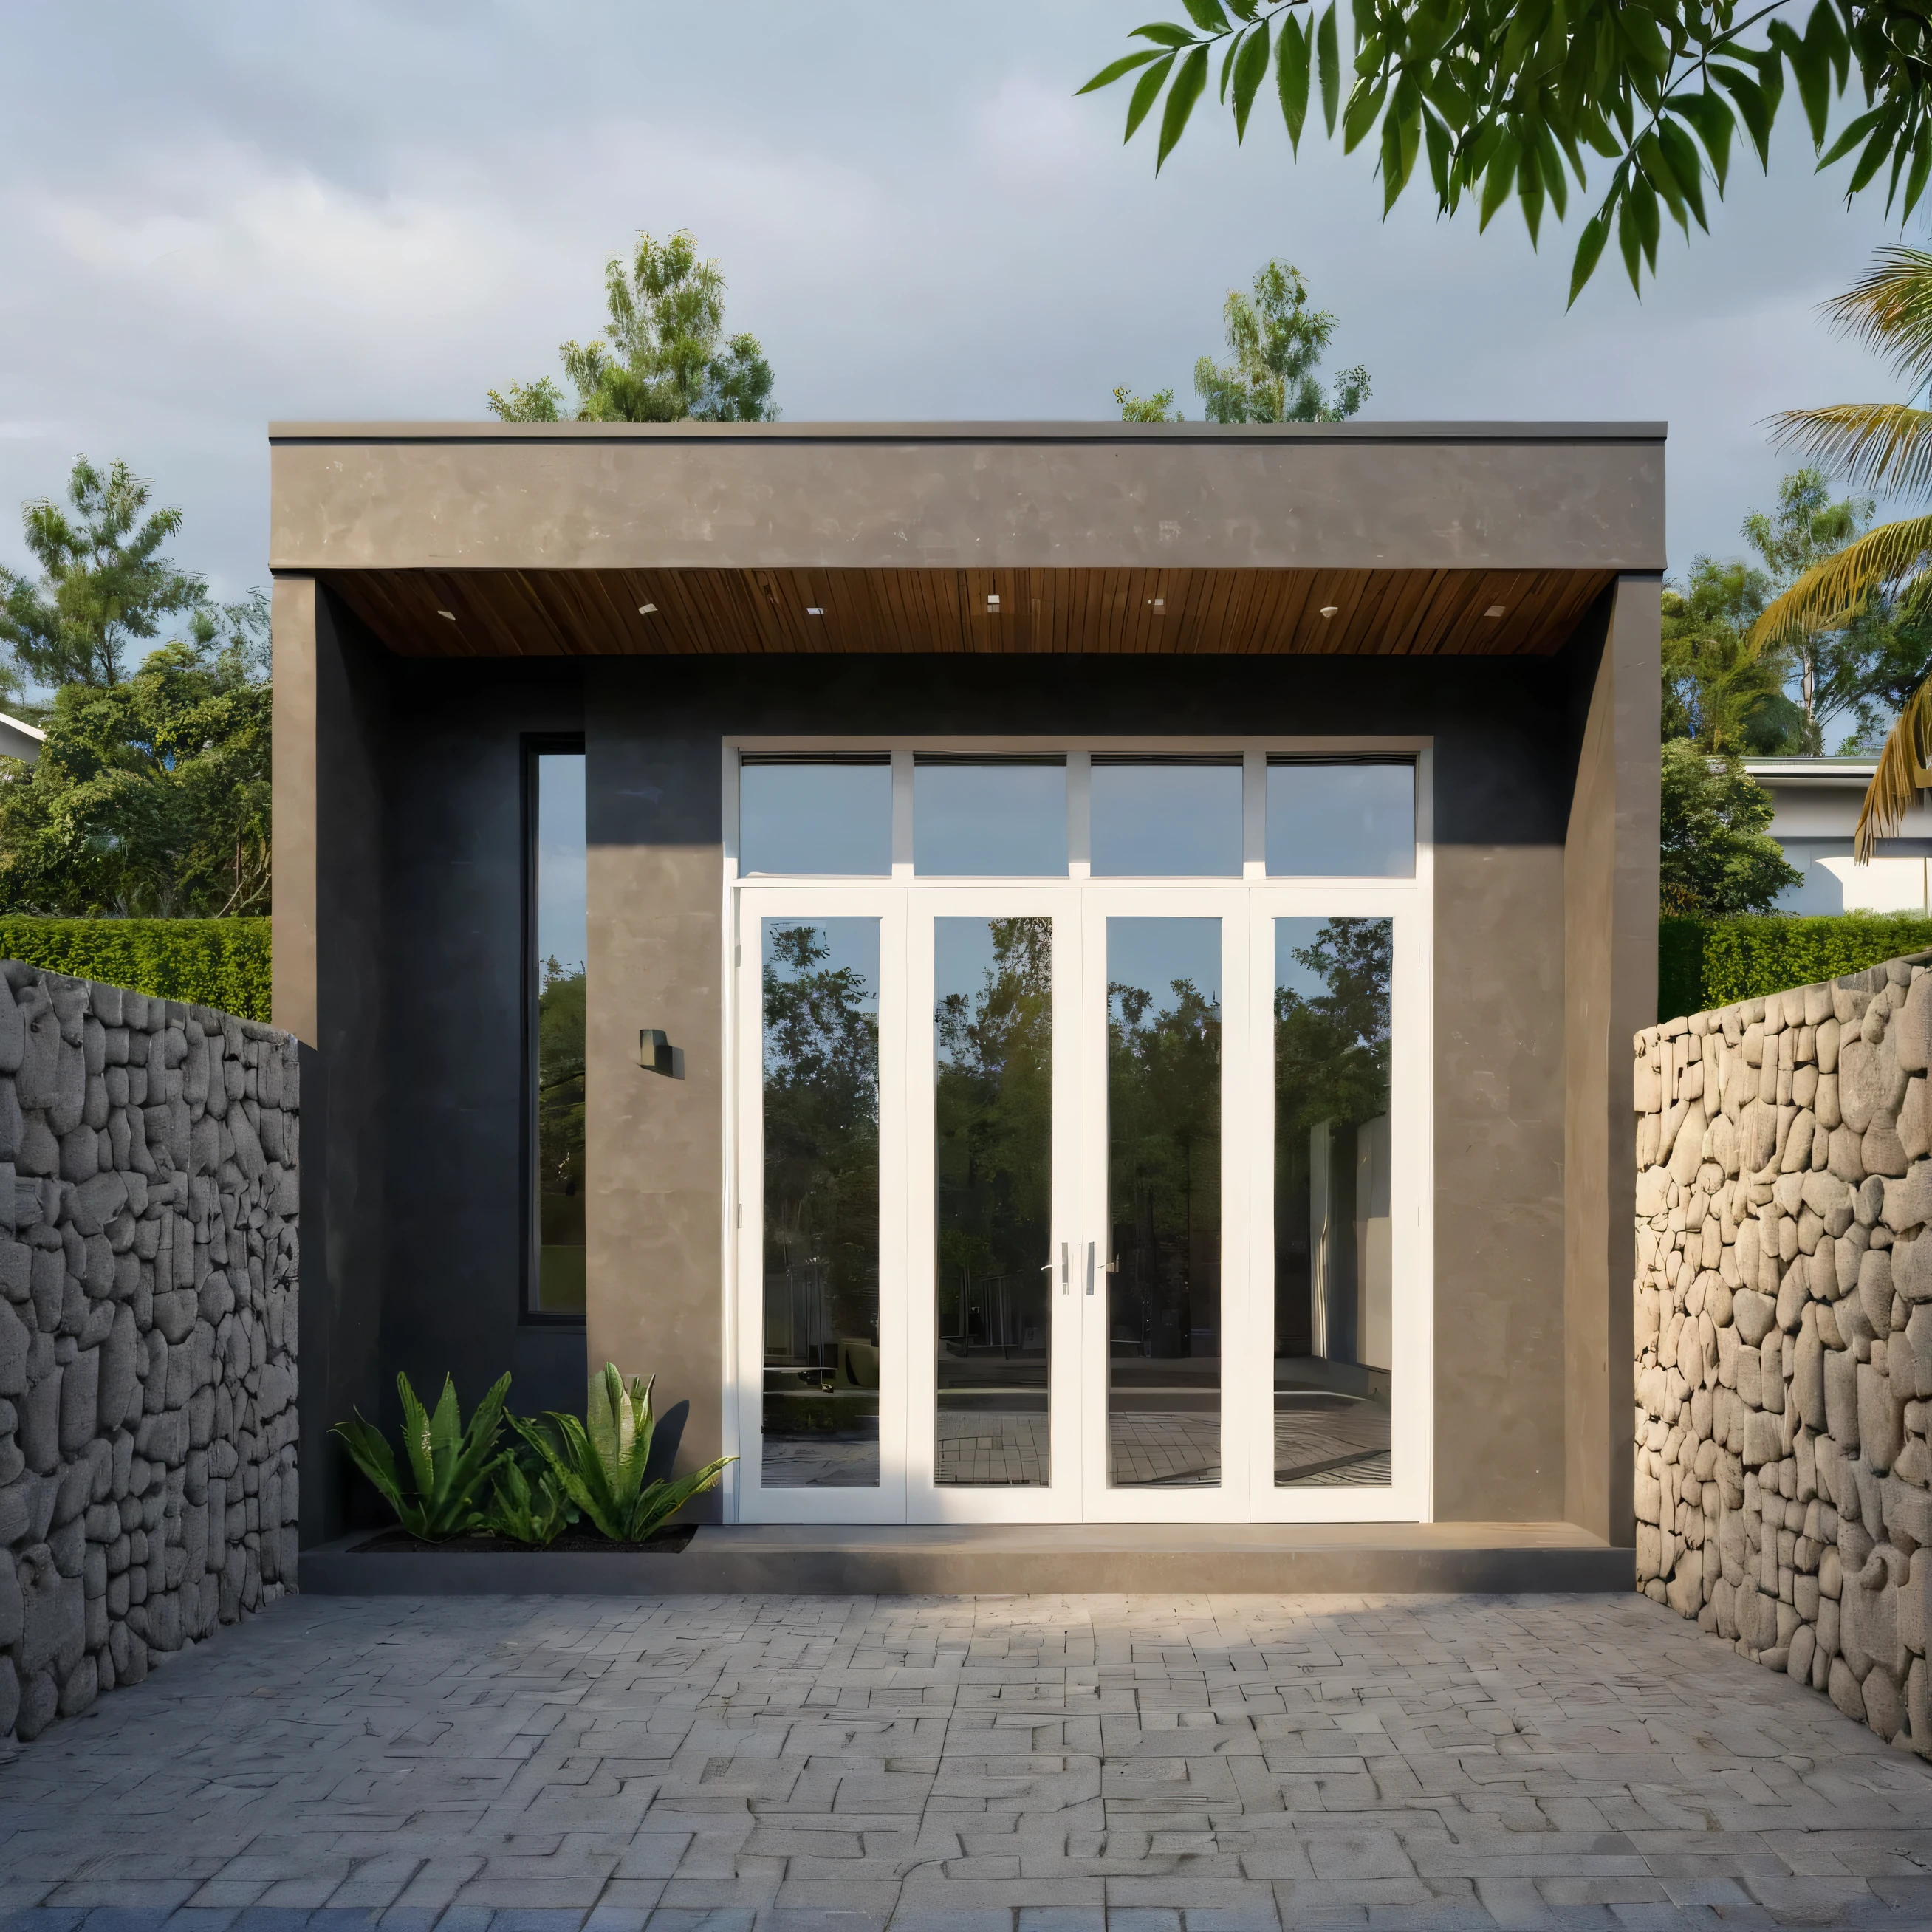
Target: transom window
[(1099, 814)]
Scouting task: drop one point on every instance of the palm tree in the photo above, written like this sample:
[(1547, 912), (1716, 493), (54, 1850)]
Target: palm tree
[(1881, 447)]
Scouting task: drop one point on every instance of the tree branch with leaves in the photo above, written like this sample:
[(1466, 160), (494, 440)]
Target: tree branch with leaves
[(1502, 99)]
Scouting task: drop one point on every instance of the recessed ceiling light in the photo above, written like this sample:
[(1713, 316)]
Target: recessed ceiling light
[(645, 609), (1329, 610), (992, 600), (814, 610), (1494, 610), (1160, 603), (450, 614)]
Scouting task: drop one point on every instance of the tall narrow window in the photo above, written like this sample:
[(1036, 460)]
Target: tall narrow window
[(993, 1188), (556, 930), (1163, 1260), (821, 1188), (1334, 1276)]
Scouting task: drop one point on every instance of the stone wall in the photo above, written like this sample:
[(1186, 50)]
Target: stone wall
[(148, 1325), (1784, 1317)]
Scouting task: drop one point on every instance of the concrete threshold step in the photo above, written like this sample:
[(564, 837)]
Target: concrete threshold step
[(1010, 1559)]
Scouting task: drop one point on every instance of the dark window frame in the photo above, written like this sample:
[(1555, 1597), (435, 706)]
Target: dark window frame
[(534, 745)]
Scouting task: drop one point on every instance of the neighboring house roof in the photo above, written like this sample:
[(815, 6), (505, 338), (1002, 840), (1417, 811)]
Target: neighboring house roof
[(1817, 801), (19, 741)]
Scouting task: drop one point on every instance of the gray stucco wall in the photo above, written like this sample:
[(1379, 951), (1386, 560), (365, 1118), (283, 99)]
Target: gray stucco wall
[(148, 1232), (424, 758)]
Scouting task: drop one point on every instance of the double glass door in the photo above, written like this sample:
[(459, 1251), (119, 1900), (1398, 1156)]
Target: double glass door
[(1077, 1202)]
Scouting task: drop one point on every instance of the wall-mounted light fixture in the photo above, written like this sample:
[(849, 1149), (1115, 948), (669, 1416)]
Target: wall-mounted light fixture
[(656, 1053)]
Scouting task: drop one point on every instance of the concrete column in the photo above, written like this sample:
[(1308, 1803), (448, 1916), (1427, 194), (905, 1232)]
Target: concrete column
[(1609, 903), (655, 1141), (328, 991)]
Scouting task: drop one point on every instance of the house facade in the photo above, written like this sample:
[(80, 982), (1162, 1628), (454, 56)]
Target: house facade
[(1816, 804), (1032, 974)]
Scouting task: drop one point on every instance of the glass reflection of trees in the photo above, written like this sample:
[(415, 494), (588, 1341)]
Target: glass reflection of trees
[(1164, 1170), (821, 1193), (560, 1236), (994, 1118), (1332, 1181)]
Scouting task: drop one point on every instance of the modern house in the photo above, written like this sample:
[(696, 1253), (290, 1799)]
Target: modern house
[(1818, 802), (1035, 974)]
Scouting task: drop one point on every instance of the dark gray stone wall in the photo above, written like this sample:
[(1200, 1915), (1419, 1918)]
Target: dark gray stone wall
[(148, 1314)]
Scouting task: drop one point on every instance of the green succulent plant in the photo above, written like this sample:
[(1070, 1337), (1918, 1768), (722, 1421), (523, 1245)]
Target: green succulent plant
[(526, 1512), (599, 1462), (453, 1467)]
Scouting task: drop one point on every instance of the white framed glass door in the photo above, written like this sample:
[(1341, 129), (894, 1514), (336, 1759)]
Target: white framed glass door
[(994, 1121), (1075, 1195), (821, 1206)]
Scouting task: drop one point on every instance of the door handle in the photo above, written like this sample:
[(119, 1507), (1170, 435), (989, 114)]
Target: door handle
[(1046, 1267), (1090, 1267)]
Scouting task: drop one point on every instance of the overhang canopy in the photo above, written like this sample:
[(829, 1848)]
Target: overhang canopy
[(495, 540)]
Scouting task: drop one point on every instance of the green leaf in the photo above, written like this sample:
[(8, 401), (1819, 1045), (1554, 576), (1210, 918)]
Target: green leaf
[(1589, 251), (1657, 172), (1501, 179), (1207, 16), (1251, 64), (1551, 158), (1811, 68), (1680, 151), (1853, 136), (1715, 123), (1290, 79), (1529, 192), (1754, 108), (1631, 241), (1402, 136), (1365, 102), (1328, 66), (1164, 33), (1872, 160), (1825, 37), (1111, 73), (1186, 91), (1649, 224), (1437, 136), (1922, 165), (1147, 91)]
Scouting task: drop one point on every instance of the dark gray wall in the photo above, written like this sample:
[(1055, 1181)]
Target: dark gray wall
[(1505, 738), (453, 892), (331, 707), (442, 1128)]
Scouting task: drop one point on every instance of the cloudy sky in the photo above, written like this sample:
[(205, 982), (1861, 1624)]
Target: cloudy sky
[(215, 214)]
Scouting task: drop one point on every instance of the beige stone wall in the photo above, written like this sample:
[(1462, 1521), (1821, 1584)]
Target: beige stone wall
[(1783, 1343)]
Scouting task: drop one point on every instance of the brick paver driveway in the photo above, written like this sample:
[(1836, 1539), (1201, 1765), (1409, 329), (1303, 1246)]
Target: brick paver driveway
[(1020, 1763)]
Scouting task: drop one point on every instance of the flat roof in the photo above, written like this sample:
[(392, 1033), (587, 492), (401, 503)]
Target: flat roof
[(1022, 432)]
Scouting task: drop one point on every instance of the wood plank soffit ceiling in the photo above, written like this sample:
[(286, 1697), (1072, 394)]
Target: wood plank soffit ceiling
[(529, 613)]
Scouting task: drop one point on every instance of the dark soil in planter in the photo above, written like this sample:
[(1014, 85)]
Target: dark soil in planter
[(573, 1542)]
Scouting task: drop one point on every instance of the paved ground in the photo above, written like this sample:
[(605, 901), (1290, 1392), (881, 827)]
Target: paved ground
[(1042, 1764)]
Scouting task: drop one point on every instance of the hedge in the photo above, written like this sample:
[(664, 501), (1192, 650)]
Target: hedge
[(204, 962), (1704, 963)]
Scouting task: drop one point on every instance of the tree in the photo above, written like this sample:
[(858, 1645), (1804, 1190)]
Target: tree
[(1277, 342), (1717, 858), (662, 356), (1881, 447), (104, 581), (1501, 97), (1718, 693), (151, 797)]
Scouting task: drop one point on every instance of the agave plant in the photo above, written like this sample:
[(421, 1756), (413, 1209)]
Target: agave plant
[(1880, 447), (452, 1466), (535, 1513), (599, 1462)]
